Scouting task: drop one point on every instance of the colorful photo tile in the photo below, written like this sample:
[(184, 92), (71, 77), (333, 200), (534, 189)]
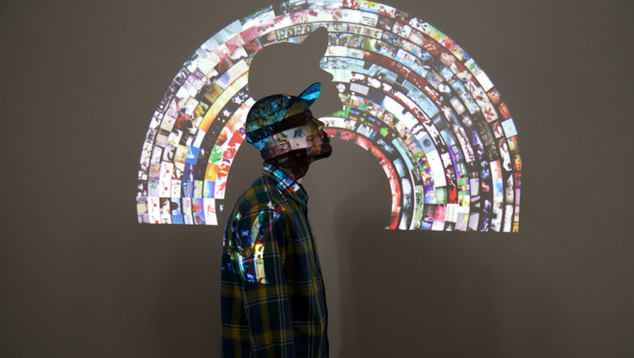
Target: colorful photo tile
[(509, 128)]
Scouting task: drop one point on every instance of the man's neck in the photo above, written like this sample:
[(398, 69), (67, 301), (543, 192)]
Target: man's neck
[(296, 173), (294, 170)]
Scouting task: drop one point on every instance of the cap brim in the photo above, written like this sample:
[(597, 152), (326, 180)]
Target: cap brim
[(310, 94)]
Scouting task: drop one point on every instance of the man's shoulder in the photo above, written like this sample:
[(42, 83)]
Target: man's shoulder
[(261, 195)]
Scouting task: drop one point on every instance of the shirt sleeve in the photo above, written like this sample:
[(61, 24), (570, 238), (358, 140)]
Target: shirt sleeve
[(259, 263)]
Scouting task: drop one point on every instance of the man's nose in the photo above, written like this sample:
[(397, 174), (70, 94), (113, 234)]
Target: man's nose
[(320, 125)]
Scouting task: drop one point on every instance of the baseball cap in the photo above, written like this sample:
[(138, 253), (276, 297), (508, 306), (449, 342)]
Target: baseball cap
[(266, 114)]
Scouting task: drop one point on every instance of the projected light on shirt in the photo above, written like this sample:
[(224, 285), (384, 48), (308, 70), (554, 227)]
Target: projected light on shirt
[(411, 97)]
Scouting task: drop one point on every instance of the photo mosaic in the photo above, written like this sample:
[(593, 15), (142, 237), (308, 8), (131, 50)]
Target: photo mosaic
[(410, 96)]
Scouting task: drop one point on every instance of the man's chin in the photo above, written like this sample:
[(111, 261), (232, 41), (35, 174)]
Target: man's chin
[(326, 147), (325, 152)]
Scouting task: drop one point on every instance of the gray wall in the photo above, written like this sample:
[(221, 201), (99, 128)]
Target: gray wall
[(80, 278)]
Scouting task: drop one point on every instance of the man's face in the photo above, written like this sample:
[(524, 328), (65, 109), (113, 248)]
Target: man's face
[(299, 133)]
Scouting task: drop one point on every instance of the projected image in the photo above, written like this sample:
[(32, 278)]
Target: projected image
[(411, 97)]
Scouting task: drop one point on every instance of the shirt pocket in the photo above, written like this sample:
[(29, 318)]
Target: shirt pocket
[(252, 233)]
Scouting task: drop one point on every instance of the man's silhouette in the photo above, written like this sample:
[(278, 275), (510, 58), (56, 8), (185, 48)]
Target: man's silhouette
[(286, 68), (273, 300)]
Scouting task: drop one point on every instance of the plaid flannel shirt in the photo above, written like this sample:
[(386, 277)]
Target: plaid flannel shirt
[(272, 293)]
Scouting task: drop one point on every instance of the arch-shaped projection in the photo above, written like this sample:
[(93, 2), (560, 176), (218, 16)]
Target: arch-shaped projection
[(410, 95)]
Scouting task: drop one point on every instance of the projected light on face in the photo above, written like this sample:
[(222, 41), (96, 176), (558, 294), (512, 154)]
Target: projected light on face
[(297, 142), (411, 97)]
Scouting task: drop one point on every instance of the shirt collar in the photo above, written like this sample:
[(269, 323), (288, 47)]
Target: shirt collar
[(285, 184)]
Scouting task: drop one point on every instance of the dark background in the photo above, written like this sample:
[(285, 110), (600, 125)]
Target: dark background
[(80, 278)]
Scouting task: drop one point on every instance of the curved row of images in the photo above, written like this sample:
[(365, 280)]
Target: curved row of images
[(410, 96)]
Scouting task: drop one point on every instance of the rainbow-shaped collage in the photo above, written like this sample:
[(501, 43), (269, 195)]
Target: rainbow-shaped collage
[(410, 95)]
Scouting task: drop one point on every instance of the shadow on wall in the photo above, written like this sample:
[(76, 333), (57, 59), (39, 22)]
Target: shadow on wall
[(428, 294), (290, 68), (191, 328), (403, 293), (168, 304)]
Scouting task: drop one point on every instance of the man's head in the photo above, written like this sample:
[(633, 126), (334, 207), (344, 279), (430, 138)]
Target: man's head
[(299, 136), (283, 128)]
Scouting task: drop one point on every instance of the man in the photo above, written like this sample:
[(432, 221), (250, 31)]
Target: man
[(272, 293)]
